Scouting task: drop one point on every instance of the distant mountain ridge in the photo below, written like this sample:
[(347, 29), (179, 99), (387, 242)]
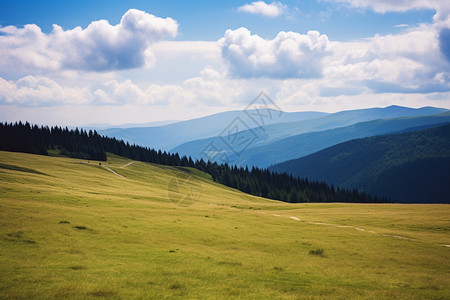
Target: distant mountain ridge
[(272, 143), (103, 126), (386, 165), (169, 136), (308, 143)]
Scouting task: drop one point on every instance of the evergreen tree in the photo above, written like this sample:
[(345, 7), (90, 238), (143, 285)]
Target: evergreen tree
[(78, 143)]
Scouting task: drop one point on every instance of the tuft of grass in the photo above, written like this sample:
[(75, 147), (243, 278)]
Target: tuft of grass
[(77, 267), (230, 263), (64, 222), (318, 252), (102, 293), (18, 234), (177, 286), (80, 227)]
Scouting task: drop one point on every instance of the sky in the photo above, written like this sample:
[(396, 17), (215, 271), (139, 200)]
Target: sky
[(89, 62)]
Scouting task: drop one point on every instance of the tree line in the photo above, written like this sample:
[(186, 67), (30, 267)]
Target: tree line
[(79, 143)]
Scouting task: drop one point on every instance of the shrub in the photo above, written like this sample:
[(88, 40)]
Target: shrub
[(318, 252)]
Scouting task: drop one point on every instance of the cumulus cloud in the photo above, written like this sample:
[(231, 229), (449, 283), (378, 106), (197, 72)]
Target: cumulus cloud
[(40, 91), (289, 54), (271, 10), (315, 73), (31, 91), (407, 62), (419, 52), (99, 47)]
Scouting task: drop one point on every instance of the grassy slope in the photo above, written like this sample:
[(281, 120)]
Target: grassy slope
[(138, 244)]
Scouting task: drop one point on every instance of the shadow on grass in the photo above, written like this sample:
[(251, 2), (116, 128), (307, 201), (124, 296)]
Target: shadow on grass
[(20, 169)]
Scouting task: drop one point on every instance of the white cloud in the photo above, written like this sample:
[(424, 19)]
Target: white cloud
[(407, 62), (298, 71), (287, 66), (383, 6), (401, 26), (209, 72), (99, 47), (435, 39), (442, 7), (209, 88), (39, 91), (289, 54), (271, 10)]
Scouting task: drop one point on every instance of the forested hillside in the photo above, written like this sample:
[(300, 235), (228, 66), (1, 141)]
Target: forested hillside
[(28, 138), (307, 143), (396, 163)]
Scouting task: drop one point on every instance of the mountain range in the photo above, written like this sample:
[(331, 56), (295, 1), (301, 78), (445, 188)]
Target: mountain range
[(405, 167), (393, 152), (169, 136), (279, 142)]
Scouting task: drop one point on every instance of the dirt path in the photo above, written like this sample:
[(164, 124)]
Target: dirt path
[(114, 172), (128, 164), (340, 226), (349, 226)]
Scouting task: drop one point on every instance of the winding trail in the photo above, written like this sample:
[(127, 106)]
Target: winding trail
[(126, 165), (122, 167), (114, 172), (349, 226)]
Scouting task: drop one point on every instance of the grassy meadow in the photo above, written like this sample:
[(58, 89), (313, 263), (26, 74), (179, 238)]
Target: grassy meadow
[(75, 229)]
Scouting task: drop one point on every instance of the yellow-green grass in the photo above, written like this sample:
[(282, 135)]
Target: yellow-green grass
[(73, 229)]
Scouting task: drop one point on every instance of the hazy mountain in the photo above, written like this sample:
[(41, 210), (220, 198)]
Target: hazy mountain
[(268, 145), (169, 136), (103, 126), (308, 143), (387, 165)]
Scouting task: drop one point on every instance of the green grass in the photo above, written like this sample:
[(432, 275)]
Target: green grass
[(81, 231)]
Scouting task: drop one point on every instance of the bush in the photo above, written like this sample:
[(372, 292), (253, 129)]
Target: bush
[(318, 252)]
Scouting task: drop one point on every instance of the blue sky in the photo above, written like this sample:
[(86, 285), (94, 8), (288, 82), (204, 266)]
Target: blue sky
[(156, 60), (208, 20)]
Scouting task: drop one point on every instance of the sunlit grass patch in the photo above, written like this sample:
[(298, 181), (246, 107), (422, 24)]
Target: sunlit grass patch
[(134, 243)]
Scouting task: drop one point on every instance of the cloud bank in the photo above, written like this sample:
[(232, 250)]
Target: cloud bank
[(99, 47), (298, 70)]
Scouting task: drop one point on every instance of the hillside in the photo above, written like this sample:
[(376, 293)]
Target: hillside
[(20, 137), (74, 229), (363, 163), (308, 143), (273, 133)]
